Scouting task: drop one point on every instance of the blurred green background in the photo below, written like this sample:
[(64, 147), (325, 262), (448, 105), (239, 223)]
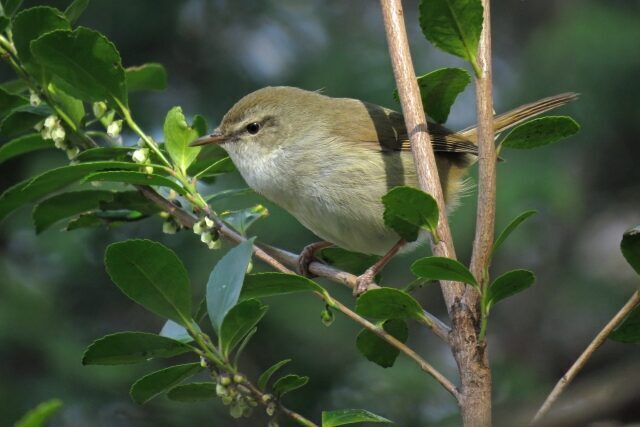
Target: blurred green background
[(55, 296)]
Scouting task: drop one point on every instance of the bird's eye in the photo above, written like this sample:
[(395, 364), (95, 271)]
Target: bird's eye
[(253, 128)]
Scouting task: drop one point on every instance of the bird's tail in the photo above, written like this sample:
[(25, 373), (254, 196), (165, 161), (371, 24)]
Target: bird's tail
[(521, 114)]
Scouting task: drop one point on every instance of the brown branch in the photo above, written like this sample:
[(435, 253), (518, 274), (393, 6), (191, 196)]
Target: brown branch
[(586, 355), (187, 220)]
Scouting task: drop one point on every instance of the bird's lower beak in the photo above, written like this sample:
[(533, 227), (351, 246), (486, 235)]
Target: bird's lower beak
[(213, 138)]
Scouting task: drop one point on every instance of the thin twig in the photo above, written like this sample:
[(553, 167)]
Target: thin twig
[(586, 355)]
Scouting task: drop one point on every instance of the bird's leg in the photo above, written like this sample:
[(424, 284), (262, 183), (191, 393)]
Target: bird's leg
[(366, 278), (307, 256)]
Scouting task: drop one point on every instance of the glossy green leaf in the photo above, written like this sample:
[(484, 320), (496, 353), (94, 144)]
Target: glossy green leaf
[(345, 260), (440, 268), (540, 131), (264, 378), (38, 416), (238, 322), (11, 6), (129, 200), (350, 416), (510, 228), (86, 64), (14, 87), (225, 282), (22, 145), (388, 303), (226, 194), (193, 392), (218, 167), (35, 188), (172, 330), (629, 330), (288, 383), (9, 101), (439, 90), (378, 350), (508, 284), (177, 137), (104, 153), (66, 205), (151, 275), (30, 24), (407, 210), (262, 285), (453, 26), (630, 247), (136, 178), (72, 107), (18, 123), (131, 347), (146, 77), (149, 386), (242, 219), (75, 9)]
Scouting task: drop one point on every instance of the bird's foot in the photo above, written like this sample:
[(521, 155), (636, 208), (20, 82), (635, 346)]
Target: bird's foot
[(364, 281), (307, 256)]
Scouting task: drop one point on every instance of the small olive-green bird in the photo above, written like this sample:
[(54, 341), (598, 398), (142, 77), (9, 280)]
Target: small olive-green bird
[(328, 161)]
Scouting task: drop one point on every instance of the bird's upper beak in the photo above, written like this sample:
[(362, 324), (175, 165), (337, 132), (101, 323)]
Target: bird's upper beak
[(216, 137)]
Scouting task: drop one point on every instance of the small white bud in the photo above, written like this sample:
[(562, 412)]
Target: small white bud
[(206, 237), (249, 267), (39, 126), (51, 121), (72, 152), (34, 99), (45, 133), (141, 143), (271, 409), (215, 244), (221, 390), (140, 155), (172, 194), (58, 134), (236, 411), (203, 362), (148, 169), (99, 108), (209, 222), (197, 227), (114, 129), (169, 227)]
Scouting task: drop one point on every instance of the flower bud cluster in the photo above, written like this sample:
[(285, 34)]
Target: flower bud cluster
[(208, 232), (52, 129), (235, 394), (34, 99)]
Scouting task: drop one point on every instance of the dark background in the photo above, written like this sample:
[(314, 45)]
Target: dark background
[(55, 296)]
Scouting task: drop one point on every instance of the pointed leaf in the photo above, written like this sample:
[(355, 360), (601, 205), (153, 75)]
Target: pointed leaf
[(193, 392), (225, 282), (262, 285), (146, 77), (541, 131), (149, 386), (9, 101), (453, 26), (388, 303), (408, 209), (151, 275), (378, 350), (172, 330), (75, 9), (177, 136), (22, 145), (38, 416), (224, 194), (288, 383), (440, 268), (238, 322), (11, 6), (18, 123), (350, 416), (630, 247), (65, 205), (131, 347), (508, 284), (510, 228), (136, 178), (104, 153), (243, 219), (264, 378), (72, 107), (629, 330)]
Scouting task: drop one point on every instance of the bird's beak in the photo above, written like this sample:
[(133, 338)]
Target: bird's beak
[(213, 138)]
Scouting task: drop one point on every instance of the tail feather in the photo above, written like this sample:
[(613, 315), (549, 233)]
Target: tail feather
[(523, 113)]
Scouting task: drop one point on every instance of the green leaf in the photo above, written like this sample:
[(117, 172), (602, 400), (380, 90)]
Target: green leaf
[(30, 24), (540, 131), (193, 392), (105, 153), (38, 416), (262, 285), (378, 350), (176, 332), (629, 330), (407, 209), (75, 10), (510, 228), (225, 282), (630, 247), (453, 26), (86, 63), (136, 178), (238, 322), (9, 101), (388, 303), (146, 77), (72, 107), (242, 219), (440, 268), (14, 87), (35, 188), (289, 383), (510, 283), (225, 194), (200, 125), (149, 386), (22, 145), (151, 275), (65, 205), (17, 123), (350, 416), (131, 347), (177, 136), (4, 23), (206, 169), (130, 200), (439, 90), (342, 259), (11, 6), (264, 378)]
